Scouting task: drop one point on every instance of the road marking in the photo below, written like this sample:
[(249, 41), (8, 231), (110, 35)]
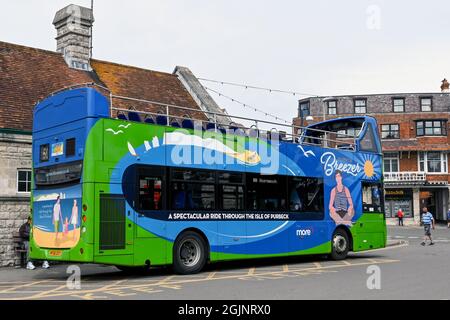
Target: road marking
[(413, 237), (174, 282), (22, 286), (88, 296), (211, 276)]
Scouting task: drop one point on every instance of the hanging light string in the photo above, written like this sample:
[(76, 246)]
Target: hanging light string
[(294, 93), (247, 105)]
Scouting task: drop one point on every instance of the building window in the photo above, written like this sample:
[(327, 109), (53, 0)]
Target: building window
[(399, 104), (23, 181), (360, 106), (426, 104), (332, 107), (431, 128), (303, 110), (390, 131), (433, 162), (391, 162)]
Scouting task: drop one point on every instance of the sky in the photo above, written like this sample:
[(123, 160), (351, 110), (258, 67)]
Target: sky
[(316, 47)]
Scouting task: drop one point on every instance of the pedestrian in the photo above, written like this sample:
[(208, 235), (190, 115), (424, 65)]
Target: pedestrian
[(448, 218), (400, 216), (24, 232), (428, 223)]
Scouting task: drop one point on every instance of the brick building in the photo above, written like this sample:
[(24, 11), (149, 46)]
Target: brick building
[(28, 75), (415, 141)]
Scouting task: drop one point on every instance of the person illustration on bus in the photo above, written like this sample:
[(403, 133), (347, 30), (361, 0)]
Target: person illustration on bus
[(74, 218), (57, 216), (341, 203)]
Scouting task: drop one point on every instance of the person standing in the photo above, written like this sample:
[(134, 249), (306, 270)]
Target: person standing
[(24, 232), (428, 223), (400, 216), (448, 218)]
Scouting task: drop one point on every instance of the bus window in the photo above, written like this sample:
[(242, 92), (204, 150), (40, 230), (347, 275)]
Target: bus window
[(231, 186), (372, 196), (58, 174), (193, 196), (150, 193), (193, 189), (305, 194), (266, 192), (232, 197), (367, 142)]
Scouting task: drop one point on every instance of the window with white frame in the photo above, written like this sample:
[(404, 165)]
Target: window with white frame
[(391, 162), (433, 162), (23, 181)]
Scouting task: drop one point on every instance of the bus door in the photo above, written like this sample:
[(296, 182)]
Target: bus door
[(114, 224)]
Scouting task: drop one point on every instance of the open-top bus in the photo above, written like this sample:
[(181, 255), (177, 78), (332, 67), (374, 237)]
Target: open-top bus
[(134, 192)]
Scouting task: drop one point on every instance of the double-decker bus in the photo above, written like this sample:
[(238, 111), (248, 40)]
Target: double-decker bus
[(141, 189)]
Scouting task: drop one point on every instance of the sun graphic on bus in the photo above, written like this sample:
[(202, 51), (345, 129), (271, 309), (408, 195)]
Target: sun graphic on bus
[(369, 169)]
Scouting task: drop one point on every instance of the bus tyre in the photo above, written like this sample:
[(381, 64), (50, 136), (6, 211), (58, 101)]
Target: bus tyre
[(340, 245), (189, 253)]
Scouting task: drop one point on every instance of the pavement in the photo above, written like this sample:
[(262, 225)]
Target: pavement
[(403, 270)]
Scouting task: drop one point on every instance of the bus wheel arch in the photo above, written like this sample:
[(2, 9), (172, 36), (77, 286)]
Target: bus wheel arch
[(341, 243), (191, 250)]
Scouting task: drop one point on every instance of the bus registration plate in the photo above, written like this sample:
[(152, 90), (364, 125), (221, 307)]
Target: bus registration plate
[(55, 253)]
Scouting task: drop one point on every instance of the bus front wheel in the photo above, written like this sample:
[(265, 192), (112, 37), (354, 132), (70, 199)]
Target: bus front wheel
[(189, 253), (340, 245)]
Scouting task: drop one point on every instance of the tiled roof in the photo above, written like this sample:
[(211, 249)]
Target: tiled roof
[(28, 75), (144, 84)]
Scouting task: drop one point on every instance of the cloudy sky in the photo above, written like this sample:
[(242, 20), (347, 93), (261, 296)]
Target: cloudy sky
[(317, 47)]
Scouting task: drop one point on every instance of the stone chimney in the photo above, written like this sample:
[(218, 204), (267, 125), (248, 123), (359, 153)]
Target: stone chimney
[(73, 25), (445, 86)]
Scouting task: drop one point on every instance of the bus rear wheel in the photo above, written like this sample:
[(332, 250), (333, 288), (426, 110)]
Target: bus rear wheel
[(340, 245), (189, 253)]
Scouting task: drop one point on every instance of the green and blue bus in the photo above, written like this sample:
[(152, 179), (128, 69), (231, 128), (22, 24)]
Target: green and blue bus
[(133, 192)]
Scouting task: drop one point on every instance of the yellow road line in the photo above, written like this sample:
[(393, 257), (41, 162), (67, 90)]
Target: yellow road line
[(21, 286), (174, 283), (211, 276)]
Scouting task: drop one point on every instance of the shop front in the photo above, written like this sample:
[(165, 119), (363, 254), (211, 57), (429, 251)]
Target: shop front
[(396, 199)]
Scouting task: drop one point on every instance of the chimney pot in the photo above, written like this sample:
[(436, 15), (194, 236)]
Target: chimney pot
[(445, 86)]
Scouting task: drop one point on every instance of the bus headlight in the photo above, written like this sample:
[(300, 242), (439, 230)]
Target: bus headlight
[(83, 230)]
